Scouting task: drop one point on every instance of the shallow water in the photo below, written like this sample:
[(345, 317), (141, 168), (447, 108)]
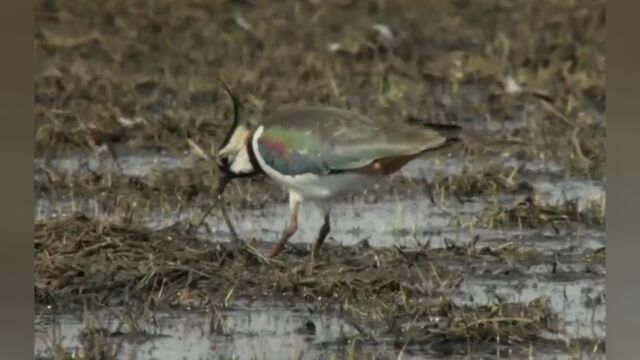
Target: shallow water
[(401, 221), (264, 330), (579, 302), (406, 223), (246, 332), (131, 165), (258, 330)]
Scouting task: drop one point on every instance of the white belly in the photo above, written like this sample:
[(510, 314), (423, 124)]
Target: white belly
[(322, 187)]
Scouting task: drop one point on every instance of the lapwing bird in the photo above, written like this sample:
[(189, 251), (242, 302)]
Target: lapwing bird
[(317, 153)]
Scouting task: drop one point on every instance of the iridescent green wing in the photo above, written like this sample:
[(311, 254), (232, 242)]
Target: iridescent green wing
[(321, 140), (291, 152)]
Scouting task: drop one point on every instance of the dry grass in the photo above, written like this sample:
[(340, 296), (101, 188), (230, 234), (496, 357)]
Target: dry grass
[(121, 77), (96, 82), (384, 293)]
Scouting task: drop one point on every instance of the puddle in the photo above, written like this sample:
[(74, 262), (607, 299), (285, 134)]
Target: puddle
[(259, 330), (403, 223), (422, 168), (249, 331), (581, 192), (407, 223), (428, 168), (546, 243), (579, 303), (131, 165)]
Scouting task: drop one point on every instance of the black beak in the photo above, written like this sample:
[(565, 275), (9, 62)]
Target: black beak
[(223, 180)]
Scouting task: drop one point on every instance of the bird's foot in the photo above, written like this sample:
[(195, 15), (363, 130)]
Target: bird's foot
[(299, 249), (235, 246), (276, 250), (232, 248), (295, 249)]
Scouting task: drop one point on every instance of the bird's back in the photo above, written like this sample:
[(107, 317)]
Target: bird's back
[(337, 139)]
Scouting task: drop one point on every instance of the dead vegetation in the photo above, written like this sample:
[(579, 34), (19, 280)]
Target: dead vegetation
[(81, 261), (96, 82), (389, 295), (524, 78)]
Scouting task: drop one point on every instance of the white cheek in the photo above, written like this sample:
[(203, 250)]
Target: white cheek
[(241, 163)]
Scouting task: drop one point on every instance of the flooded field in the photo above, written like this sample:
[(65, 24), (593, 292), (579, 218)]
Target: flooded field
[(492, 249)]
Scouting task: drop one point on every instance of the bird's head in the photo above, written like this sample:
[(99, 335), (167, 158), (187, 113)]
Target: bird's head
[(233, 158)]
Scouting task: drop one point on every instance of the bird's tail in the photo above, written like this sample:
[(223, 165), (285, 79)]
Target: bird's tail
[(451, 132)]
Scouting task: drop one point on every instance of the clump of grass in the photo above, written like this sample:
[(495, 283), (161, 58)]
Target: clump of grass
[(532, 214), (485, 183), (79, 261)]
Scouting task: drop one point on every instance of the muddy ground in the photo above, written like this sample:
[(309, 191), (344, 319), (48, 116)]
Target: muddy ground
[(494, 248)]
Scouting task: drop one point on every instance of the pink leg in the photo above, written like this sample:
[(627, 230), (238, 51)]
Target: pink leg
[(294, 204)]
